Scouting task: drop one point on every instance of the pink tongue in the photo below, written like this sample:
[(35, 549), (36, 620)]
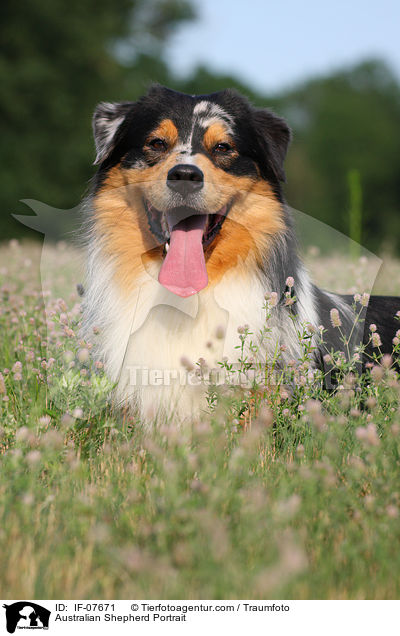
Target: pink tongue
[(184, 269)]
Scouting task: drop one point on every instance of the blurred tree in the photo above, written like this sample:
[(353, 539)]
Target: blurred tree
[(58, 60), (347, 121)]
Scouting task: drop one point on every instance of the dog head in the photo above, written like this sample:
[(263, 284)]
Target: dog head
[(198, 176)]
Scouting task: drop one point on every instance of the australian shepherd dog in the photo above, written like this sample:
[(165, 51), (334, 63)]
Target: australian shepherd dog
[(188, 234)]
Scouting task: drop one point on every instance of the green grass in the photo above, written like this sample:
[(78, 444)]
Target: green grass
[(294, 498)]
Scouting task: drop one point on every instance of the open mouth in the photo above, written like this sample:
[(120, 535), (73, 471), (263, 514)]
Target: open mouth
[(159, 225), (185, 232)]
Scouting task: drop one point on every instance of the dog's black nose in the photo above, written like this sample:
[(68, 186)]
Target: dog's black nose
[(185, 179)]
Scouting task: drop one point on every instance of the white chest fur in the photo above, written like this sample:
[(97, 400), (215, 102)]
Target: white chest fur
[(169, 335), (149, 339)]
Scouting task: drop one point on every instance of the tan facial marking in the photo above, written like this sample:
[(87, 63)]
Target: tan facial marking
[(214, 135), (254, 219), (122, 226), (167, 131)]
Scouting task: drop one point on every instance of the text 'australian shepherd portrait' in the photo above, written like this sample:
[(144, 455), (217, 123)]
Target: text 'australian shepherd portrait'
[(190, 245)]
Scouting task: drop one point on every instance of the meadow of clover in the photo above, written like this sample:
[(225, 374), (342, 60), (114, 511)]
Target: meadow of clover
[(272, 494)]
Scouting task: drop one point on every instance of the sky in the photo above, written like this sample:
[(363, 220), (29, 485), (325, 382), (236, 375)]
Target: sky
[(273, 45)]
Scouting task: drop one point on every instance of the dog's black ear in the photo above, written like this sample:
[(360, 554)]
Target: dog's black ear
[(276, 136), (107, 119)]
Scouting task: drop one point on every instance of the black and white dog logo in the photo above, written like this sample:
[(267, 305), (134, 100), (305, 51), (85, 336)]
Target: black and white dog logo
[(26, 615)]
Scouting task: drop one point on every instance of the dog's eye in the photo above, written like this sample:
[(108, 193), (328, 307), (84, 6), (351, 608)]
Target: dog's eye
[(222, 147), (157, 144)]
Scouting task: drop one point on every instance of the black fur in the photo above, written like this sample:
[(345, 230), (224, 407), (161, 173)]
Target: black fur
[(381, 311)]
